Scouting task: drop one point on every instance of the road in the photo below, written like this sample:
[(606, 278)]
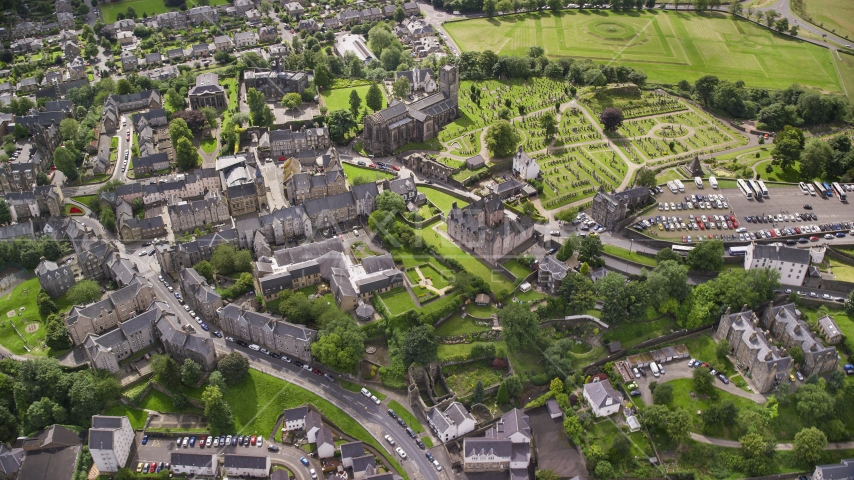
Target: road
[(784, 9)]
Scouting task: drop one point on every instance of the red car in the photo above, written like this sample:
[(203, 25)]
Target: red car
[(371, 165), (202, 441), (253, 440), (773, 234), (684, 239), (396, 168), (700, 224), (813, 239), (798, 230), (152, 467)]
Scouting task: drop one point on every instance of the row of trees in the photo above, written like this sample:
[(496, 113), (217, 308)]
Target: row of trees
[(829, 159)]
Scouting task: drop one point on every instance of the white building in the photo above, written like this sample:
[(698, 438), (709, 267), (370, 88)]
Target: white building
[(602, 398), (524, 166), (353, 43), (110, 440), (792, 263), (247, 466), (454, 422), (506, 446), (194, 463), (294, 419)]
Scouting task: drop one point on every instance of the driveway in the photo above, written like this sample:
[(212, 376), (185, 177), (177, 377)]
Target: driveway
[(554, 450), (680, 369)]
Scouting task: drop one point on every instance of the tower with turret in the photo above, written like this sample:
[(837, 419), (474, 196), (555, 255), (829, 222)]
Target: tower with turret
[(449, 82)]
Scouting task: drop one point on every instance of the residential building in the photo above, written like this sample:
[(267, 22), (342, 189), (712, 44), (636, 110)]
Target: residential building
[(242, 183), (200, 296), (602, 398), (349, 451), (70, 49), (284, 144), (551, 273), (294, 10), (198, 464), (365, 196), (154, 58), (65, 19), (174, 257), (125, 38), (268, 34), (482, 228), (151, 164), (844, 470), (309, 25), (240, 466), (399, 124), (200, 181), (302, 187), (223, 43), (119, 306), (134, 229), (180, 341), (11, 460), (174, 20), (54, 279), (388, 11), (405, 187), (187, 216), (609, 209), (524, 166), (830, 330), (791, 263), (110, 441), (204, 14), (200, 50), (63, 6), (207, 92), (275, 84), (176, 54), (265, 330), (454, 422), (129, 61), (751, 348), (785, 326), (50, 454), (294, 419), (243, 6), (115, 105), (49, 199), (245, 39), (411, 8), (505, 447), (324, 443)]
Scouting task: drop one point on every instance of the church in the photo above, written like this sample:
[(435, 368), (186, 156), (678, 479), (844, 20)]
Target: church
[(419, 121)]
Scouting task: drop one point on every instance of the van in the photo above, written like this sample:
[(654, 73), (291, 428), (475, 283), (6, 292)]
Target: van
[(654, 368), (255, 347), (410, 432)]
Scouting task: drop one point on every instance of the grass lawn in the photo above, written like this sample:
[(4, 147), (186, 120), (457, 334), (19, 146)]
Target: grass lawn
[(458, 325), (438, 280), (624, 253), (69, 206), (841, 271), (703, 348), (530, 295), (835, 16), (358, 389), (428, 441), (667, 46), (667, 175), (682, 398), (441, 199), (208, 145), (448, 351), (309, 290), (603, 434), (259, 399), (339, 98), (517, 269), (531, 362), (463, 378), (407, 417), (136, 416), (397, 301), (24, 296), (160, 402), (845, 63), (631, 334), (84, 199), (150, 7), (790, 174), (370, 174), (478, 311), (96, 179)]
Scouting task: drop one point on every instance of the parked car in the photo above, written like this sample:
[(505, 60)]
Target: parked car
[(145, 439), (400, 452), (389, 439), (313, 473)]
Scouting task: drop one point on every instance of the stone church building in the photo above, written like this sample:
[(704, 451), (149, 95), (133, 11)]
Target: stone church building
[(419, 121)]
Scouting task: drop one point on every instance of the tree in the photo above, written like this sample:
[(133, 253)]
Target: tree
[(501, 138), (679, 423), (166, 371), (547, 475), (205, 269), (123, 87), (292, 101), (814, 402), (706, 256), (478, 394), (667, 281), (611, 118), (722, 349), (663, 394), (191, 372), (604, 469), (340, 344), (265, 7), (223, 259), (420, 346), (720, 413), (45, 304), (645, 178), (259, 112), (68, 128), (108, 219), (5, 213), (65, 161), (195, 119), (233, 367), (216, 378), (355, 102), (574, 429), (56, 336), (179, 129), (391, 202), (548, 123), (809, 445), (211, 116), (489, 7), (340, 122), (380, 37), (705, 87), (401, 87), (391, 57), (782, 25), (186, 155), (399, 15), (555, 5), (502, 397), (567, 250), (590, 250), (374, 97), (788, 145), (814, 158), (83, 292), (519, 326), (757, 453), (578, 293), (667, 254), (174, 100), (704, 381), (217, 410)]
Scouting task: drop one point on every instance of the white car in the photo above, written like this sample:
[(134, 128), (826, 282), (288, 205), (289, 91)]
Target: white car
[(436, 464), (375, 399), (254, 347), (366, 393), (389, 439), (187, 308), (400, 452), (313, 473)]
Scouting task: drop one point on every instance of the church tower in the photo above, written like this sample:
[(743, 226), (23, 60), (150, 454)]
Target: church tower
[(449, 82)]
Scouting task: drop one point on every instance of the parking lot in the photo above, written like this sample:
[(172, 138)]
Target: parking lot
[(785, 201)]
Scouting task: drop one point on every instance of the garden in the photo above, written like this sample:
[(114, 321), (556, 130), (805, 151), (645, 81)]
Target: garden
[(397, 301), (356, 174), (440, 199), (462, 378), (22, 327)]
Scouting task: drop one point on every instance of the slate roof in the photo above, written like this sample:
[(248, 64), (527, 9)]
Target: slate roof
[(781, 253), (600, 392), (378, 263), (333, 202), (192, 459), (49, 464), (246, 461), (352, 450), (293, 414), (360, 464), (100, 439), (481, 445), (323, 437)]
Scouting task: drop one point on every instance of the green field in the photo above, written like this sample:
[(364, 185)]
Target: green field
[(371, 174), (668, 47), (835, 16), (339, 98), (397, 301), (23, 297), (457, 325), (150, 7), (442, 200), (136, 416)]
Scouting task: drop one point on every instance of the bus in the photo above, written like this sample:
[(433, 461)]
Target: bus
[(679, 185), (698, 181), (757, 192), (737, 251), (827, 189), (762, 187), (745, 189), (672, 186), (840, 192), (713, 182), (819, 189), (682, 249)]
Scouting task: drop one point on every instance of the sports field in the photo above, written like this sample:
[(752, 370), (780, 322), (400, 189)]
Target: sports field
[(835, 16), (668, 46)]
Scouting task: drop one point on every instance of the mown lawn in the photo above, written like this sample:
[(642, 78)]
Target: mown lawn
[(469, 263), (397, 301), (624, 253), (160, 402), (438, 280), (339, 98), (259, 399), (24, 296), (463, 378), (370, 174), (442, 200), (208, 145), (136, 416), (631, 334), (517, 269), (448, 351), (84, 199), (457, 325)]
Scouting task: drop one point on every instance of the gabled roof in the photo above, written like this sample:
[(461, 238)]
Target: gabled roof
[(246, 461), (601, 392), (352, 450), (193, 459)]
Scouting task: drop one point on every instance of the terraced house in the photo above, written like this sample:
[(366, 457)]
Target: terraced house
[(766, 364), (267, 331), (103, 315), (786, 327), (302, 187), (187, 216), (200, 296), (283, 144)]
